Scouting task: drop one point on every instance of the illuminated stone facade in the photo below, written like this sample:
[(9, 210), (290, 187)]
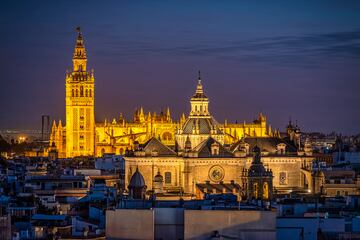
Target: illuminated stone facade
[(81, 136), (79, 92), (193, 155)]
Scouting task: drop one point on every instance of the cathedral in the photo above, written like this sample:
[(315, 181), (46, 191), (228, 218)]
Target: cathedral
[(192, 155)]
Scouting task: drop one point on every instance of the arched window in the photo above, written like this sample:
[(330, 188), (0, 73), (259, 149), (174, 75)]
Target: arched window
[(166, 136), (90, 93), (86, 93), (76, 93), (256, 190), (72, 92), (81, 91), (265, 191)]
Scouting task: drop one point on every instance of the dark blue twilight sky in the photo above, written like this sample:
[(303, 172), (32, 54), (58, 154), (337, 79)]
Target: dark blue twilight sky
[(285, 58)]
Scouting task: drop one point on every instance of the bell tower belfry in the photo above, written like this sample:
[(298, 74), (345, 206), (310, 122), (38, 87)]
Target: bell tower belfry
[(80, 97)]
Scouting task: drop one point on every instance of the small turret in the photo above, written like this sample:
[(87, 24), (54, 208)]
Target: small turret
[(257, 179), (261, 117), (182, 119), (188, 144), (270, 133), (141, 115), (168, 115), (137, 187), (60, 125)]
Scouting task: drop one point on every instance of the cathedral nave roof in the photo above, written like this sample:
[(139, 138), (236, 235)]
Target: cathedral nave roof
[(204, 149), (155, 144)]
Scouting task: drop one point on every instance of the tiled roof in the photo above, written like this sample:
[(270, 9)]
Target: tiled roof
[(154, 144), (204, 149)]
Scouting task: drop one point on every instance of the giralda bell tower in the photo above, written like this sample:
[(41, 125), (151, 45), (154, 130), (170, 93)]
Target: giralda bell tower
[(80, 119)]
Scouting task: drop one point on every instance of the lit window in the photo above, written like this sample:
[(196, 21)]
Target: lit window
[(167, 177)]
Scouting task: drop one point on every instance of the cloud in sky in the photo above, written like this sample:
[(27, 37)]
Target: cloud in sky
[(302, 51), (285, 58)]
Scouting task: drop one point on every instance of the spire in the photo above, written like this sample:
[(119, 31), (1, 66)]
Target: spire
[(187, 144), (270, 133), (54, 125), (141, 115), (168, 115), (199, 88), (79, 58), (261, 117)]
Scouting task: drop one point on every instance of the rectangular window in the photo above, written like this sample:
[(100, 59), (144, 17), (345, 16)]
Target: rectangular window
[(283, 178), (167, 177)]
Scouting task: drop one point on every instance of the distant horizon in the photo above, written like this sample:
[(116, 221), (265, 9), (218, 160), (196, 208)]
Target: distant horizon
[(297, 60)]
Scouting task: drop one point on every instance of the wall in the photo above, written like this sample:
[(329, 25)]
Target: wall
[(169, 223), (200, 224), (186, 172), (130, 224)]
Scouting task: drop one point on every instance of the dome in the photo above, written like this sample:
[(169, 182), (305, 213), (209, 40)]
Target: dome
[(205, 126), (257, 169), (137, 180), (256, 149)]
